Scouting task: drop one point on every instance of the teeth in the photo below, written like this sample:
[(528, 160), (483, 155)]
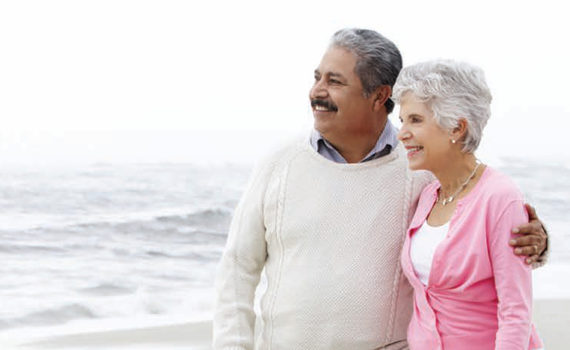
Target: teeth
[(321, 108)]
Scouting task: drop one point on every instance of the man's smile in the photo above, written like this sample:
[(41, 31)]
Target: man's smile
[(323, 105)]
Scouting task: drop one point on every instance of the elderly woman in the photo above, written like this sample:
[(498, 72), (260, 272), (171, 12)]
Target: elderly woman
[(470, 291)]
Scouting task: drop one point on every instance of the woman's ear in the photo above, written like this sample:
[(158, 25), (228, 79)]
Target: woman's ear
[(459, 132)]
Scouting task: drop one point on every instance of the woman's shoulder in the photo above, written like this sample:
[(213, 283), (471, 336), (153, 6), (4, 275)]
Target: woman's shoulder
[(497, 187)]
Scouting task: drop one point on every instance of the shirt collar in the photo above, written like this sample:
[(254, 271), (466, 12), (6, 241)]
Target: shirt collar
[(386, 142)]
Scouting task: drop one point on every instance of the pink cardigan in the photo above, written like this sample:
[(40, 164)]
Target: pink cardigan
[(479, 294)]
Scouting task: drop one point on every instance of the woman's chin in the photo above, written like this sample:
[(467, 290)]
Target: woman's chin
[(415, 164)]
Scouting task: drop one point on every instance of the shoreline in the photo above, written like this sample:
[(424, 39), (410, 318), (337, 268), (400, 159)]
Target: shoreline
[(550, 316), (187, 335)]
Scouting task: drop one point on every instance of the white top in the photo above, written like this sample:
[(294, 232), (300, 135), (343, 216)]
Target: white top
[(328, 237), (423, 244)]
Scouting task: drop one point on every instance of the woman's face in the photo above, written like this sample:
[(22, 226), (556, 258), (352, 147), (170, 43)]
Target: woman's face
[(428, 145)]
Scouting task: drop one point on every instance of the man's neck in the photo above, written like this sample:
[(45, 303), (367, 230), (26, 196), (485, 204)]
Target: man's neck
[(355, 147), (355, 152)]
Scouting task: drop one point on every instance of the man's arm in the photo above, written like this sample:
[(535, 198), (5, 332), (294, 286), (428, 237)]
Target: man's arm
[(240, 269), (533, 242)]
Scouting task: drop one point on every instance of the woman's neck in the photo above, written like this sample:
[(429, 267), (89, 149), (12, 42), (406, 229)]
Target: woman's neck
[(455, 172)]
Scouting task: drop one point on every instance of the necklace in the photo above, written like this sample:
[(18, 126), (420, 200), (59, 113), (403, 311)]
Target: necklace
[(450, 199)]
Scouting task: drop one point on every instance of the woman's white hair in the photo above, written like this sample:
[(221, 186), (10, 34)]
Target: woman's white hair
[(453, 90)]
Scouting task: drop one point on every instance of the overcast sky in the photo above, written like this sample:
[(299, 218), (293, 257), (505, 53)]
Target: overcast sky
[(188, 80)]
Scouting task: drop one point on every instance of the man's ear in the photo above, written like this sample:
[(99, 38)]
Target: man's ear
[(381, 95)]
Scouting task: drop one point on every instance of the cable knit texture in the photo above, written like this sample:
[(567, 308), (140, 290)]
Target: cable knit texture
[(329, 236)]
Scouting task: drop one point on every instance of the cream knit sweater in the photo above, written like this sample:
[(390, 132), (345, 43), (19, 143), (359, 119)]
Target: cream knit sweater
[(329, 237)]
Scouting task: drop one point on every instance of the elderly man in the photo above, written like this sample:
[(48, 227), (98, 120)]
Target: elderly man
[(325, 219)]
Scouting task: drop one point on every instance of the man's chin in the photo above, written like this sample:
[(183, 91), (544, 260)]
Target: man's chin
[(323, 118), (325, 129), (321, 125)]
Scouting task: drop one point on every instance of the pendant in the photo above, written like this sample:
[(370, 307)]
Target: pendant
[(447, 200)]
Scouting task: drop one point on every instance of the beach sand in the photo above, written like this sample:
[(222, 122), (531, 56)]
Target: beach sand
[(190, 336), (552, 320), (551, 317)]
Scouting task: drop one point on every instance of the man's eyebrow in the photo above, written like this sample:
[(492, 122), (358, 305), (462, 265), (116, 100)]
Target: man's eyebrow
[(331, 74), (336, 75)]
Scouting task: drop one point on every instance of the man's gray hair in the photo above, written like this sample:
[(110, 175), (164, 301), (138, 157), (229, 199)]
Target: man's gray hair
[(453, 90), (378, 59)]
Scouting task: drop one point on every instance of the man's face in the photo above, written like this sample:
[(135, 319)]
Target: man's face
[(339, 107)]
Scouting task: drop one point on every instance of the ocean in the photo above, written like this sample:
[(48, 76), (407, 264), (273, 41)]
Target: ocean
[(135, 244)]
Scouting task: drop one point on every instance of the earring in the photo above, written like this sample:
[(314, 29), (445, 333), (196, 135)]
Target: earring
[(453, 141)]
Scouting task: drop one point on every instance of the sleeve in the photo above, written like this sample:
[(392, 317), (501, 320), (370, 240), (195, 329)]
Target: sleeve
[(513, 282), (240, 269)]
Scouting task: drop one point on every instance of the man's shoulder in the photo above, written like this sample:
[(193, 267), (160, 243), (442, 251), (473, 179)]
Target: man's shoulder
[(422, 177), (422, 181), (280, 151), (280, 154)]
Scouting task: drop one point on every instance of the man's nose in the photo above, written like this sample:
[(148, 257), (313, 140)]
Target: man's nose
[(318, 90)]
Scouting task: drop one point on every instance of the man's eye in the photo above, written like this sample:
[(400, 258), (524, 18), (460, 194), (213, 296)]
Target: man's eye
[(334, 81)]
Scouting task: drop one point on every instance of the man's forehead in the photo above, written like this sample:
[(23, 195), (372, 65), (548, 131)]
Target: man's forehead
[(337, 61)]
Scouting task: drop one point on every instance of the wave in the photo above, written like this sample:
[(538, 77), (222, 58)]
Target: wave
[(209, 219), (106, 289), (206, 220), (198, 227), (213, 220), (203, 256), (58, 315), (29, 249)]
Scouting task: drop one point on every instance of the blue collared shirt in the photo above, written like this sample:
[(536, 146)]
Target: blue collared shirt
[(386, 142)]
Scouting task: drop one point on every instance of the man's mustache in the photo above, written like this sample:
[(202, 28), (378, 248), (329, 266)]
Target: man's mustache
[(324, 103)]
